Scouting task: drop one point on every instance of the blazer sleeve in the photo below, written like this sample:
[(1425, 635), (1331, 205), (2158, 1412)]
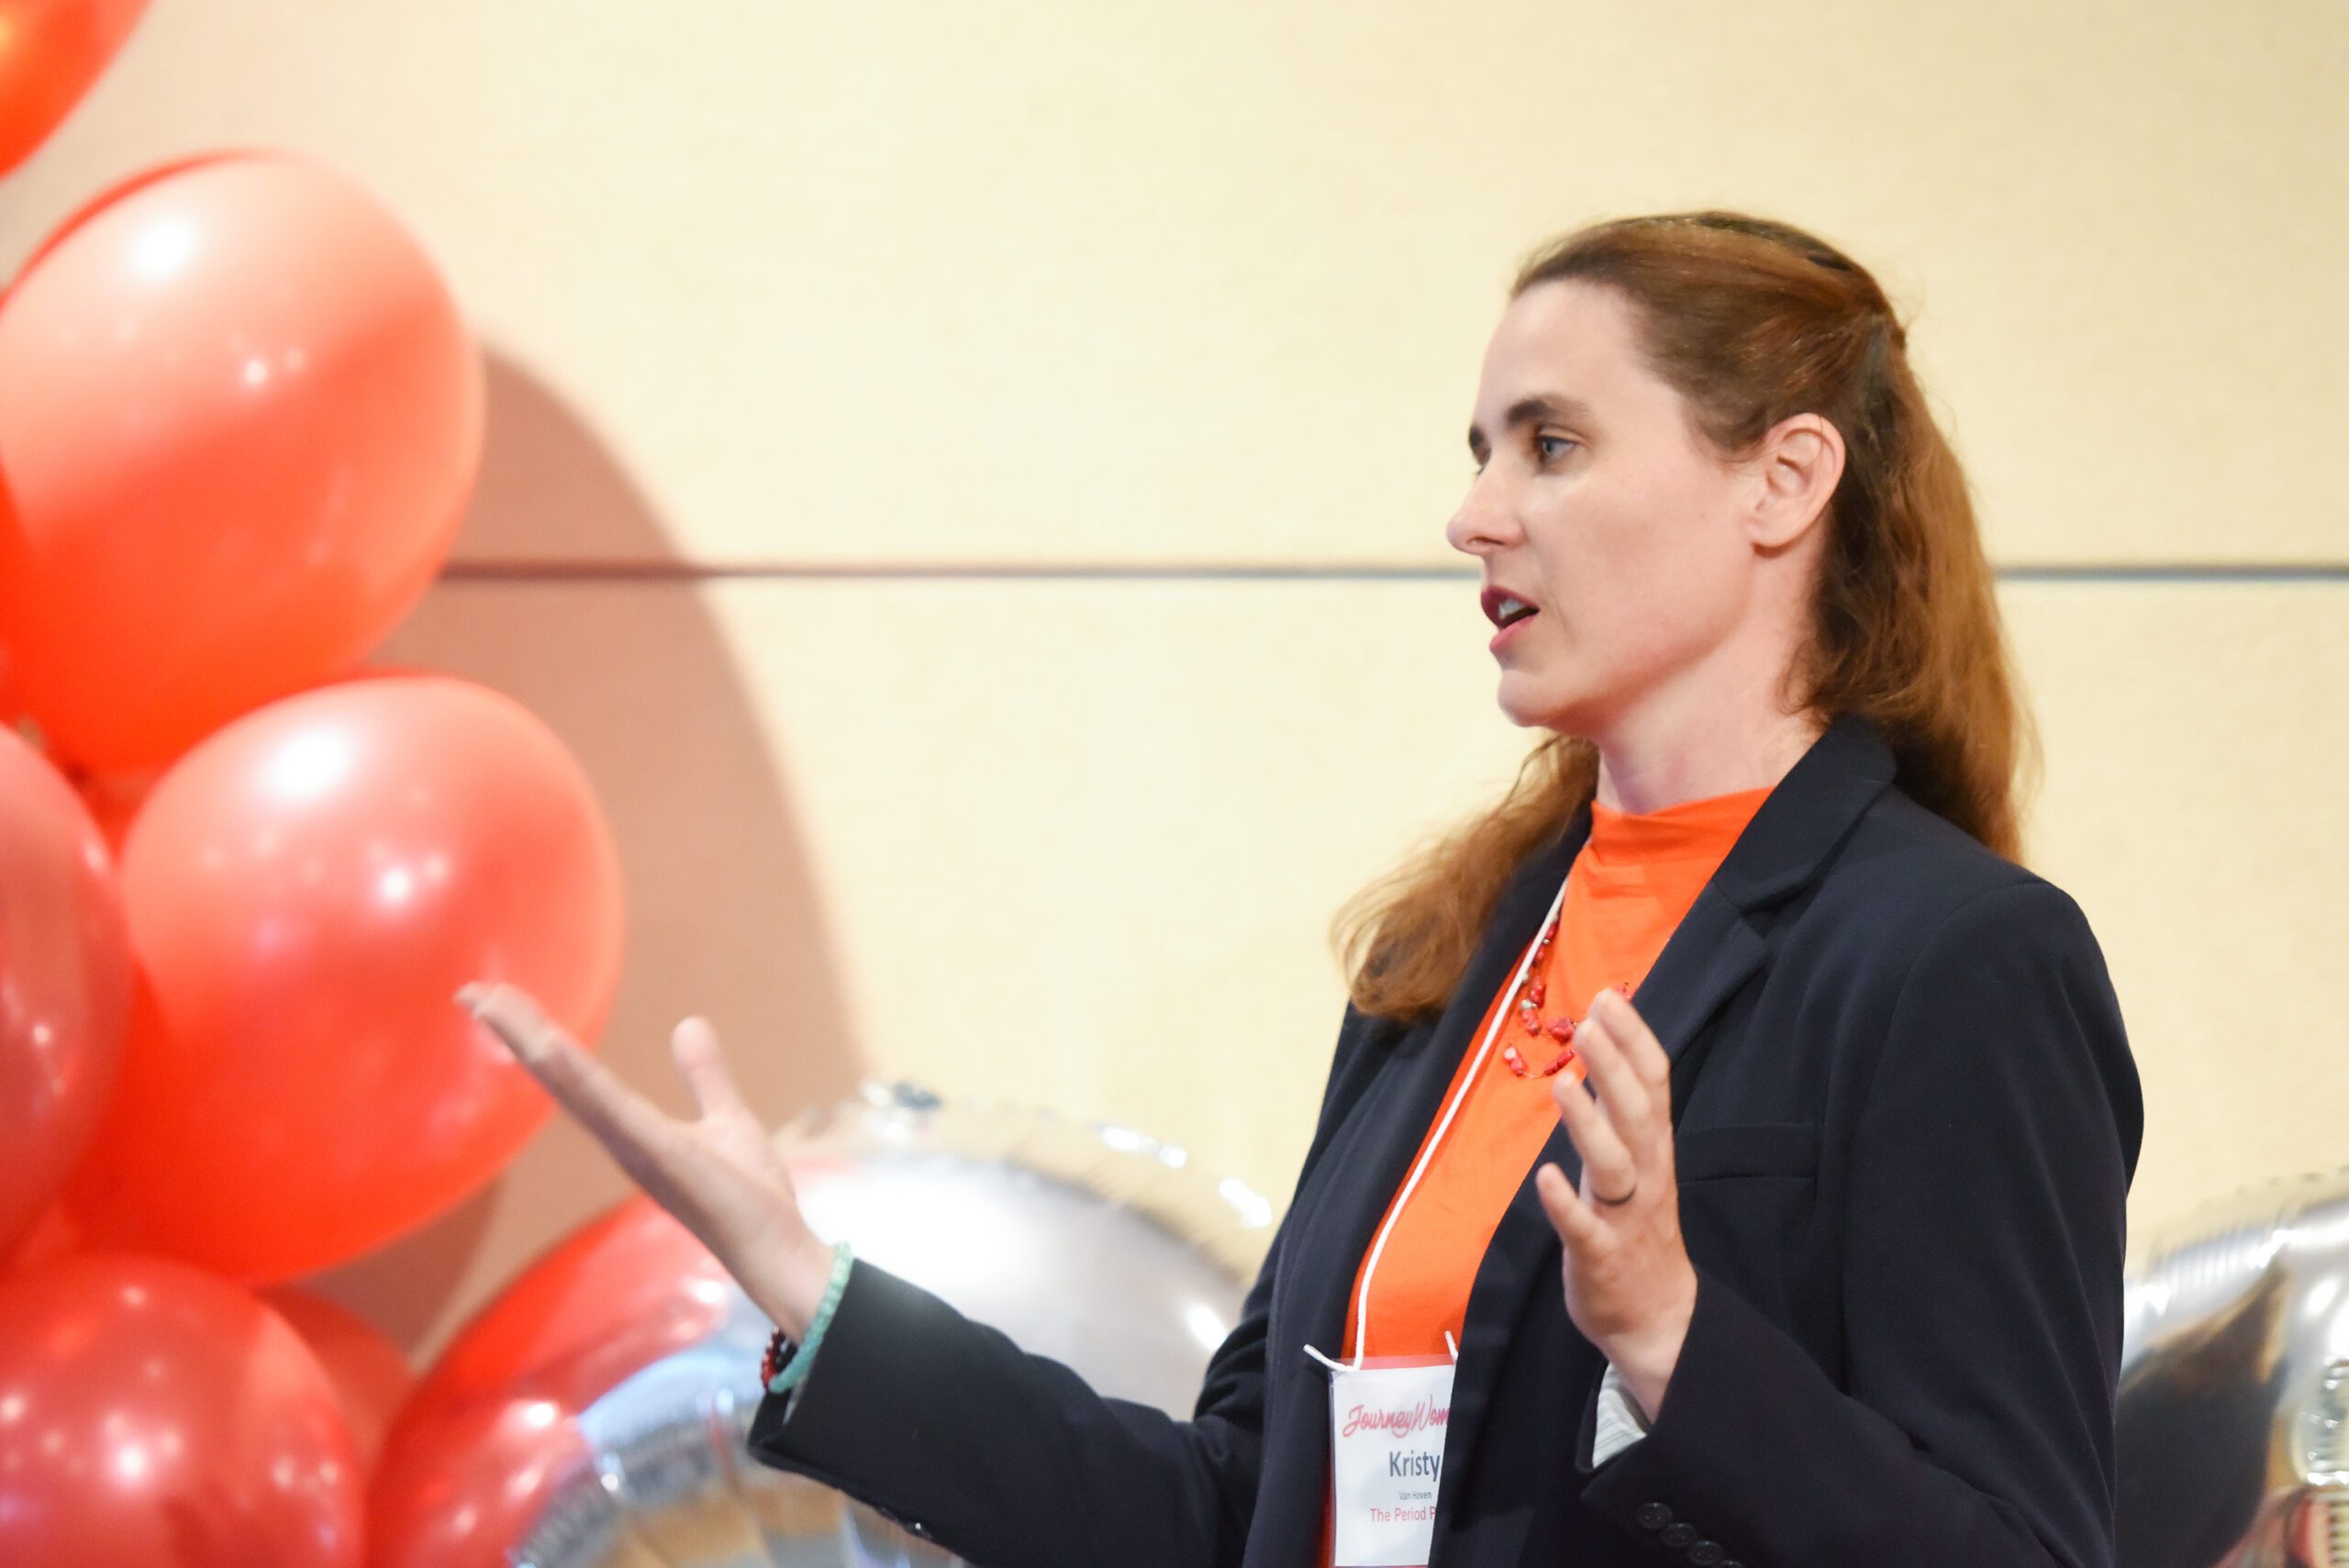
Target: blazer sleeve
[(1982, 1292), (946, 1425)]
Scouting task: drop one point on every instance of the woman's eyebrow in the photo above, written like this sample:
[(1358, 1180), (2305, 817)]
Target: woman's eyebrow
[(1530, 410)]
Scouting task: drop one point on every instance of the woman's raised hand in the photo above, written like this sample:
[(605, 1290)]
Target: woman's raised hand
[(719, 1173), (1630, 1288)]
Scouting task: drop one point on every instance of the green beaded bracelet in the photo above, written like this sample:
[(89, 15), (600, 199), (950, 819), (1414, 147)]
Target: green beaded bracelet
[(783, 1380)]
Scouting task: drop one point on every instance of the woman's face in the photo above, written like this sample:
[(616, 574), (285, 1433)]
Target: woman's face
[(1594, 504)]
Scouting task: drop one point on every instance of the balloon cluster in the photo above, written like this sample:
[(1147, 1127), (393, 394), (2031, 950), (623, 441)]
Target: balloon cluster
[(240, 417)]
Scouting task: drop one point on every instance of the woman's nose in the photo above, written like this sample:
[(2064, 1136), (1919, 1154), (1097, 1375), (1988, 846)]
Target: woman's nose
[(1481, 523)]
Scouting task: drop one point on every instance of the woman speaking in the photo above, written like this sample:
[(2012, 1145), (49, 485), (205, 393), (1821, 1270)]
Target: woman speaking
[(1725, 1147)]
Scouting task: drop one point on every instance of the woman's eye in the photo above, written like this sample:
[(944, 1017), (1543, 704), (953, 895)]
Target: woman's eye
[(1562, 441)]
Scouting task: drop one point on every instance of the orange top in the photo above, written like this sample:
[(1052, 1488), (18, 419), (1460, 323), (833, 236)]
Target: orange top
[(1627, 889)]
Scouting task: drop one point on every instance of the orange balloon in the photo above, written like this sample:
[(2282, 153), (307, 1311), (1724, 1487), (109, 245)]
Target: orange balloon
[(480, 1447), (306, 889), (51, 51), (370, 1373), (240, 417), (64, 983), (159, 1417)]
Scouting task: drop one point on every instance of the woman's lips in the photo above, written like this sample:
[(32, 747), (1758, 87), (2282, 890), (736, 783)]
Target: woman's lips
[(1501, 638)]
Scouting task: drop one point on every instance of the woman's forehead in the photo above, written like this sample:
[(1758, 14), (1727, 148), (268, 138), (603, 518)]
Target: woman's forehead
[(1572, 344)]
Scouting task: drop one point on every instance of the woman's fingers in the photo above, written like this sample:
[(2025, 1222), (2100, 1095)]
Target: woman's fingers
[(1648, 1057), (1630, 1104), (703, 1064), (617, 1115), (1609, 1168), (1581, 1230), (1625, 1135), (1626, 1037)]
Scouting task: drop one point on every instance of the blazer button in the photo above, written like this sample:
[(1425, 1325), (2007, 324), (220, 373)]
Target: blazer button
[(1652, 1515), (1679, 1535), (1706, 1553)]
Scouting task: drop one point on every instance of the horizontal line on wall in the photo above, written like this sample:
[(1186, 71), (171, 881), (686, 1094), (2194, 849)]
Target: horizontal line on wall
[(493, 570), (2216, 572)]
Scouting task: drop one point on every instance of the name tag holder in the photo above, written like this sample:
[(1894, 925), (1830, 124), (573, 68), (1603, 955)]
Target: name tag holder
[(1388, 1418)]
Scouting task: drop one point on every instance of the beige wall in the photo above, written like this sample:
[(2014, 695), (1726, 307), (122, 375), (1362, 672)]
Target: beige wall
[(825, 337)]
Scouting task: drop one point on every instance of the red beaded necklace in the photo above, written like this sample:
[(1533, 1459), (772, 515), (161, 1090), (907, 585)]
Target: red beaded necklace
[(1528, 1008)]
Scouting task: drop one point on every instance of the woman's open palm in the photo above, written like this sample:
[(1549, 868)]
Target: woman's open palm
[(718, 1174)]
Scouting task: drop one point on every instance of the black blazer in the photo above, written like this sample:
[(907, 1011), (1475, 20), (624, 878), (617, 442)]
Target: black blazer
[(1905, 1119)]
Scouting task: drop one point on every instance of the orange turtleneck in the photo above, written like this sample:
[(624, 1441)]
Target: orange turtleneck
[(1628, 886)]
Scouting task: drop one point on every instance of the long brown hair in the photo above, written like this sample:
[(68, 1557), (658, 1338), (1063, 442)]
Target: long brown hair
[(1752, 321)]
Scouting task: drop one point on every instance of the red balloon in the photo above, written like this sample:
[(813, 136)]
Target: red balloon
[(155, 1416), (51, 51), (307, 890), (113, 801), (239, 420), (64, 983), (370, 1373), (493, 1428), (14, 716), (51, 1236), (471, 1484)]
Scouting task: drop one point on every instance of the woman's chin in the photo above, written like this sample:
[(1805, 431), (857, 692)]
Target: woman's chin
[(1530, 707)]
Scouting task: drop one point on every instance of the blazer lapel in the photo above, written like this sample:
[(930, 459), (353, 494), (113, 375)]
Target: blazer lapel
[(1717, 948)]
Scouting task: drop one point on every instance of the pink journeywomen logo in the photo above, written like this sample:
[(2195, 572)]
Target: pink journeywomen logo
[(1400, 1421)]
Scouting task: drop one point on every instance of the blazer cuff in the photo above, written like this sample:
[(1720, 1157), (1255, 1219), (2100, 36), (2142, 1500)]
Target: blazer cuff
[(1747, 1419), (1669, 1479), (822, 1426)]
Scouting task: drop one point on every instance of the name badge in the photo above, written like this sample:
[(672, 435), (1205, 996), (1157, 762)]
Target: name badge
[(1386, 1425)]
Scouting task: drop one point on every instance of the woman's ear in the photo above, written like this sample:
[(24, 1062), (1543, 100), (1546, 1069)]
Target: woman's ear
[(1797, 470)]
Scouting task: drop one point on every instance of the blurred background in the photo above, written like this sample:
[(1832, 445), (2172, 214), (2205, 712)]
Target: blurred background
[(966, 484)]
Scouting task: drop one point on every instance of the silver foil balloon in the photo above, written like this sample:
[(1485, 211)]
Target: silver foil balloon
[(1007, 1212), (2235, 1385)]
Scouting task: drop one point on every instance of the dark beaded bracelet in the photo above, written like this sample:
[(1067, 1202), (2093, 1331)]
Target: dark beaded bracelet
[(779, 1349)]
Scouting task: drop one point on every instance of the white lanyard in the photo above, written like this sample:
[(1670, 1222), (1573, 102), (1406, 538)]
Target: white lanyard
[(1467, 1081), (1387, 1421)]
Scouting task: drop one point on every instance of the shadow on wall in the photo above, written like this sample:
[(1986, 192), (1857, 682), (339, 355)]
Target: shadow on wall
[(722, 917)]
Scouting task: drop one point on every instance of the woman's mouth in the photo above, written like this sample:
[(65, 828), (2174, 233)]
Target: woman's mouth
[(1506, 611)]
